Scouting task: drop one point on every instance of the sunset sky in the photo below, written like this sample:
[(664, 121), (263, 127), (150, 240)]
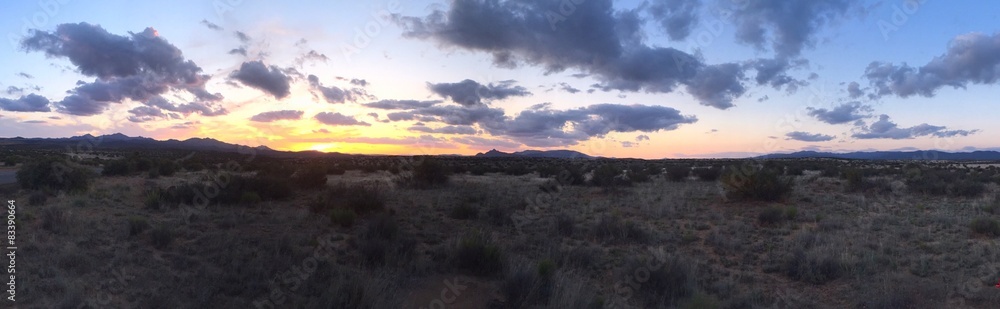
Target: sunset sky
[(641, 79)]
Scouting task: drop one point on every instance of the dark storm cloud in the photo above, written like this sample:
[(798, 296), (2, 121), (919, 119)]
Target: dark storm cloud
[(789, 26), (334, 94), (594, 39), (971, 58), (461, 130), (28, 103), (136, 67), (452, 115), (773, 72), (469, 92), (338, 119), (268, 79), (844, 113), (402, 104), (808, 137), (676, 17), (211, 25), (277, 115), (886, 129)]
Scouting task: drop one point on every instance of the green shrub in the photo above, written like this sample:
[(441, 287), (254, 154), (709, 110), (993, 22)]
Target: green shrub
[(153, 200), (755, 183), (55, 174), (478, 255), (985, 226)]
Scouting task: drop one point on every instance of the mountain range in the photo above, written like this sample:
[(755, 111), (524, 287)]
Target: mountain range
[(122, 141)]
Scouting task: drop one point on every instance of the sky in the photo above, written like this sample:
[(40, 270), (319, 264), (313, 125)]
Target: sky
[(636, 79)]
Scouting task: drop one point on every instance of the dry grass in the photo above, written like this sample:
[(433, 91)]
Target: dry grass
[(885, 249)]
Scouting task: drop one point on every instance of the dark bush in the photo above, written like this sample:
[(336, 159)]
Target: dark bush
[(815, 267), (464, 211), (678, 172), (37, 198), (985, 226), (309, 178), (707, 173), (754, 183), (117, 168), (343, 217), (638, 173), (565, 225), (360, 198), (527, 287), (478, 255), (771, 216), (161, 237), (966, 188), (609, 175), (671, 279), (429, 172), (55, 174), (136, 225), (619, 231)]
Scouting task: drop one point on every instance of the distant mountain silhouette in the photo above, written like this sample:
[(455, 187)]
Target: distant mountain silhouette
[(122, 141), (890, 155), (564, 154)]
